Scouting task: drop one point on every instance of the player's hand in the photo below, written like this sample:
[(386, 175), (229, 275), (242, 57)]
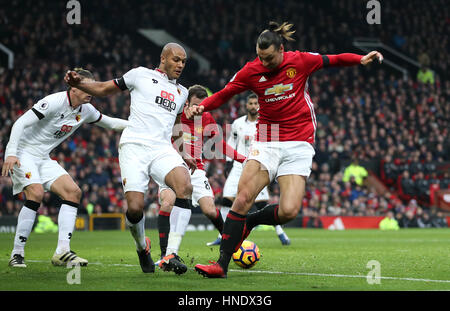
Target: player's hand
[(9, 164), (191, 163), (72, 78), (192, 111), (374, 55)]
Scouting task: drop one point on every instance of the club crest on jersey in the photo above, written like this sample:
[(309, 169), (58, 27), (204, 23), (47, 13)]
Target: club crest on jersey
[(291, 72), (124, 181), (78, 117), (278, 89), (254, 152), (28, 175)]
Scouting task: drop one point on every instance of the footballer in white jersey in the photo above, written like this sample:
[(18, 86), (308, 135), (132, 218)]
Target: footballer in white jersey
[(243, 131), (145, 150), (37, 132)]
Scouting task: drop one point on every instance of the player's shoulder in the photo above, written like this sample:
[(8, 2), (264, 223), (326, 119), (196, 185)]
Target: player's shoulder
[(88, 108), (56, 97), (53, 101), (303, 54), (207, 116), (240, 120)]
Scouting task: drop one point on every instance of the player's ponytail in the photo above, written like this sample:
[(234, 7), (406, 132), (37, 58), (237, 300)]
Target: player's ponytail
[(284, 30), (275, 34)]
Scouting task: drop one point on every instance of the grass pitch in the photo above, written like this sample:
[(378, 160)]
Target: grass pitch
[(317, 260)]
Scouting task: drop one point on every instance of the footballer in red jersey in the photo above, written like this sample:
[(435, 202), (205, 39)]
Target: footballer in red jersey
[(286, 130), (173, 220)]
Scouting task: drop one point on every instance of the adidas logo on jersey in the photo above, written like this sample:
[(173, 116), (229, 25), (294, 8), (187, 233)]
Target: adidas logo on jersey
[(263, 79)]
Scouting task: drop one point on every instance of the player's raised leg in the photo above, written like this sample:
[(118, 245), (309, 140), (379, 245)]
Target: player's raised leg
[(70, 193), (278, 229), (253, 179), (34, 194)]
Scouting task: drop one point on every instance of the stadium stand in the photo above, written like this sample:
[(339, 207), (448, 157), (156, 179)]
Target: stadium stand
[(398, 129)]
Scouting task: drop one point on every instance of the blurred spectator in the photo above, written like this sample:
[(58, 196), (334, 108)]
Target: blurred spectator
[(355, 170), (439, 220), (389, 222), (408, 220), (424, 220)]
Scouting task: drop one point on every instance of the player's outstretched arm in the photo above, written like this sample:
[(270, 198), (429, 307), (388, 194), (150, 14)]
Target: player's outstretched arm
[(373, 55), (350, 59), (94, 88), (27, 119), (110, 123)]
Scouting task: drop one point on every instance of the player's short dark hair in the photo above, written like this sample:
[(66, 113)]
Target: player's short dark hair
[(252, 95), (197, 91), (86, 74), (275, 35)]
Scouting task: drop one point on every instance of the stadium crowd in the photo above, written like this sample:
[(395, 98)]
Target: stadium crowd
[(397, 128)]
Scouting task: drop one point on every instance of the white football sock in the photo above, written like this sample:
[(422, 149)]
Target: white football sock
[(25, 223), (66, 224), (138, 232), (179, 220), (279, 230), (224, 212)]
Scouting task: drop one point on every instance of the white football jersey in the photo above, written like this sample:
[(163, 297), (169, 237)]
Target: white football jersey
[(57, 121), (155, 103), (242, 134)]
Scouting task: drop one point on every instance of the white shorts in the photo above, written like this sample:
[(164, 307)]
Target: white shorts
[(35, 170), (200, 187), (140, 162), (283, 157), (231, 185)]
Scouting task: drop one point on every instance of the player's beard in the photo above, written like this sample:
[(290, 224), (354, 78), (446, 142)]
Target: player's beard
[(253, 113)]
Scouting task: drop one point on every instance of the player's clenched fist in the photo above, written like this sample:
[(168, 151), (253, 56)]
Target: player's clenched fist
[(194, 111), (72, 78), (374, 55)]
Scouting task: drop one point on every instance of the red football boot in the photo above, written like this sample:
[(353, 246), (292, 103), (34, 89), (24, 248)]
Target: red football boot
[(211, 271)]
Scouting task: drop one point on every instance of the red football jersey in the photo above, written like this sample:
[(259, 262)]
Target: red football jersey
[(193, 139), (194, 132), (286, 111)]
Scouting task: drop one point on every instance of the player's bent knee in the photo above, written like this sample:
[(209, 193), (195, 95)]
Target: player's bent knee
[(288, 214), (72, 194), (184, 190), (34, 192), (243, 201), (135, 202)]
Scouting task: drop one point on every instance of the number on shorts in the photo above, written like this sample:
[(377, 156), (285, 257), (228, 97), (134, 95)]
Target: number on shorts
[(207, 186)]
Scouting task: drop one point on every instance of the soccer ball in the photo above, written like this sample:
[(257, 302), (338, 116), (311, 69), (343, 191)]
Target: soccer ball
[(247, 255)]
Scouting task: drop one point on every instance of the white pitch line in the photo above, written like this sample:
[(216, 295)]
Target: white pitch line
[(344, 276), (290, 273)]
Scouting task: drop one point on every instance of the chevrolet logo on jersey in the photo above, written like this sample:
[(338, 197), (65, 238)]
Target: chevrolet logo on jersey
[(188, 137), (278, 89)]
